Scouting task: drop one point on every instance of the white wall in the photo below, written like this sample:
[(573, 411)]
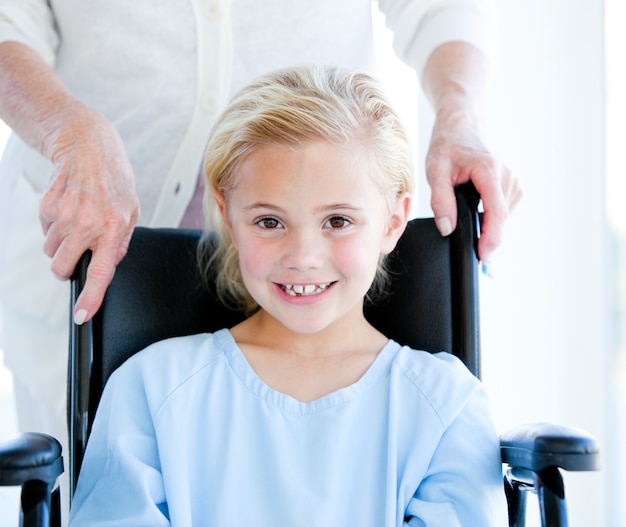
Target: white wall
[(546, 323), (546, 338), (545, 314)]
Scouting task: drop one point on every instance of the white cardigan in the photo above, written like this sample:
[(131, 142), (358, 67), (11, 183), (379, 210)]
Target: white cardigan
[(160, 72)]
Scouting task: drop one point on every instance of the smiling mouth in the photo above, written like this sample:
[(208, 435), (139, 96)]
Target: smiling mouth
[(305, 289)]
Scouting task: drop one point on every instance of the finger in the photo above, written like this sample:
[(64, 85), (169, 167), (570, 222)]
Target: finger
[(51, 200), (512, 189), (73, 233), (491, 234), (488, 180), (45, 222), (53, 240), (496, 213), (443, 199), (515, 198), (48, 211), (99, 275), (55, 225), (65, 244)]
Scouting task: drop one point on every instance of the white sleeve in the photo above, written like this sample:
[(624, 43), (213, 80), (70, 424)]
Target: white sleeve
[(420, 26), (463, 486), (120, 480), (30, 22)]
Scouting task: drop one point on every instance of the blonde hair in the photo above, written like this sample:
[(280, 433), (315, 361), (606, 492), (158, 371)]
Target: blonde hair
[(291, 107)]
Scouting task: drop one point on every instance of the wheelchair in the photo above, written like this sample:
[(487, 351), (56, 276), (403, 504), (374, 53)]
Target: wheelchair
[(156, 294)]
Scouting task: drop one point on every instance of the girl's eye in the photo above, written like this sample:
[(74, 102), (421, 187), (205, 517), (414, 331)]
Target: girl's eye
[(269, 223), (337, 222)]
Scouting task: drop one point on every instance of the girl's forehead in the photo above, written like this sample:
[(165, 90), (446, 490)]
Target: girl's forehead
[(315, 172), (318, 162)]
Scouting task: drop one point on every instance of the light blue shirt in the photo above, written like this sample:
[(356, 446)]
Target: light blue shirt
[(188, 435)]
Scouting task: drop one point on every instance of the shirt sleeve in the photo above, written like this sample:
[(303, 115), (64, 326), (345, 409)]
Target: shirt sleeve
[(120, 480), (463, 486), (32, 23), (420, 26)]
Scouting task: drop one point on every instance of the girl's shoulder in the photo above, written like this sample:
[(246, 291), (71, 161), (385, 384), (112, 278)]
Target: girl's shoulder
[(441, 379), (166, 364), (422, 366)]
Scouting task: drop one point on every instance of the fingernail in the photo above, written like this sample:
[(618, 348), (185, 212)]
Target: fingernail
[(444, 225), (80, 317)]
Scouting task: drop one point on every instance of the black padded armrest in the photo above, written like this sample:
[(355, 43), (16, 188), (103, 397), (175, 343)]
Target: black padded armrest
[(541, 445), (30, 456)]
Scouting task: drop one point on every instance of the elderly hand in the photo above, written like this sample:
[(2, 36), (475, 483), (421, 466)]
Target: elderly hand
[(457, 155), (456, 80), (90, 203)]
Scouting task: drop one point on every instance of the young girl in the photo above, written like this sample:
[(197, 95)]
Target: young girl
[(303, 414)]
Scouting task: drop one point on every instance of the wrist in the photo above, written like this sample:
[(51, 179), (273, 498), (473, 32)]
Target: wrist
[(458, 112), (456, 81), (70, 124)]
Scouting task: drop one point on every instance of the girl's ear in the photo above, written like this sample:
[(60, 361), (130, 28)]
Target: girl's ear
[(220, 200), (397, 222), (221, 205)]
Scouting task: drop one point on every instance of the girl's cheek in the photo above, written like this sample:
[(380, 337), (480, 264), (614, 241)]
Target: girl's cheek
[(255, 258), (352, 254)]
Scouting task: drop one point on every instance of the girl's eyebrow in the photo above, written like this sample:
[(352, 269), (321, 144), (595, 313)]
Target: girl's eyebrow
[(261, 205), (322, 208), (340, 206)]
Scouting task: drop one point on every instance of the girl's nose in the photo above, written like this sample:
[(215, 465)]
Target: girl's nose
[(303, 251)]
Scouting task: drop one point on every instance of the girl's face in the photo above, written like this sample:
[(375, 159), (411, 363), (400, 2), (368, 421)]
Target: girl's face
[(309, 225)]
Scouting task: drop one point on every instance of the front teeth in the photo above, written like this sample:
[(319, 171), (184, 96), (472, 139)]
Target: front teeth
[(304, 290)]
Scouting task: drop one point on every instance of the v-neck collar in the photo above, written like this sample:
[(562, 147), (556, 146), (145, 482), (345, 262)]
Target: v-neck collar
[(241, 367)]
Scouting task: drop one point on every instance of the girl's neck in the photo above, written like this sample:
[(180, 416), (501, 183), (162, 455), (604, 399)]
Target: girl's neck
[(309, 366), (353, 333)]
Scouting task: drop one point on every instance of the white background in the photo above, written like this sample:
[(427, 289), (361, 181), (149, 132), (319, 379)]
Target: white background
[(551, 319), (552, 324)]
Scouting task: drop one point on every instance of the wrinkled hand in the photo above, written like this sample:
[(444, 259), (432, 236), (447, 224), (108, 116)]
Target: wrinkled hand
[(457, 155), (90, 203)]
